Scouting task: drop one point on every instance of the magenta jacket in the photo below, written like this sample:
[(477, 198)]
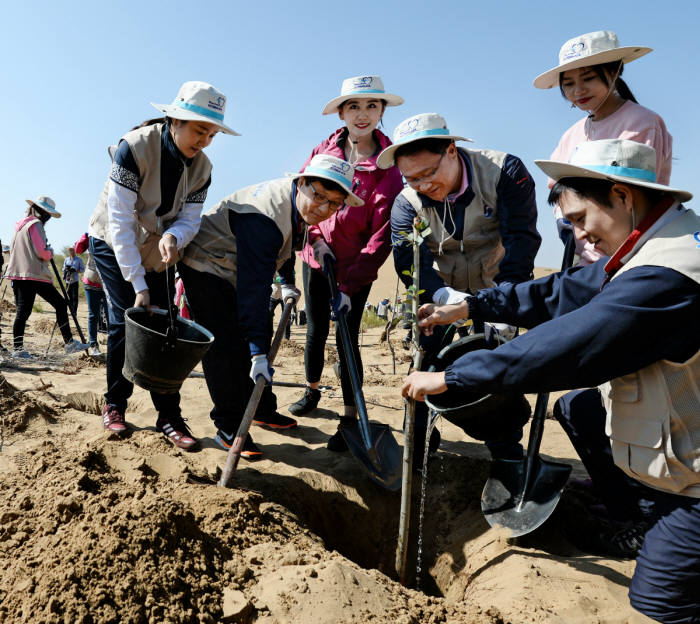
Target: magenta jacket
[(360, 236)]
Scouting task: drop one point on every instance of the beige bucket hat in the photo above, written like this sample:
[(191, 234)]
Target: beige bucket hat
[(198, 101), (595, 48), (423, 126), (365, 87), (45, 203), (617, 160), (336, 170)]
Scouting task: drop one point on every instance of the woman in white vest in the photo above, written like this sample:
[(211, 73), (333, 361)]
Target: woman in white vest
[(627, 323), (30, 256), (148, 211)]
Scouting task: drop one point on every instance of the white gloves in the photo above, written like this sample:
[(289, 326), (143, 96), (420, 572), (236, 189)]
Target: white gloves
[(341, 304), (493, 330), (447, 295), (322, 252), (290, 291), (261, 367)]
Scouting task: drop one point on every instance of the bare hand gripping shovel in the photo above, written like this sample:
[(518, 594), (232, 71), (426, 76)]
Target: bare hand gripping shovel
[(372, 444), (521, 494)]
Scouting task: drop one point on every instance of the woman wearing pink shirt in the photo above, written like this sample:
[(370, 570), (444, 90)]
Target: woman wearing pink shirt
[(357, 239), (30, 255), (589, 76)]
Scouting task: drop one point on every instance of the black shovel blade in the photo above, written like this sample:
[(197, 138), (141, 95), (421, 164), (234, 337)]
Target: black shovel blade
[(502, 500), (382, 462)]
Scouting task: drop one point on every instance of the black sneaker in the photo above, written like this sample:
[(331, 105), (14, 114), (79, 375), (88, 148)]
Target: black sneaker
[(274, 421), (336, 442), (307, 403), (250, 450), (624, 543)]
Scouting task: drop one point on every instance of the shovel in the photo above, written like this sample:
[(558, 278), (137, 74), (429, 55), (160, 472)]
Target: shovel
[(521, 494), (372, 444), (234, 453)]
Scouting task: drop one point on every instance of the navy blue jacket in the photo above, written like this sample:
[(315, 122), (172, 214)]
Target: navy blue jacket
[(517, 225), (579, 334)]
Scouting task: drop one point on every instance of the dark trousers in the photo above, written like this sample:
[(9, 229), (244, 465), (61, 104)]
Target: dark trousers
[(214, 305), (95, 298), (25, 295), (582, 416), (72, 290), (317, 294), (120, 296)]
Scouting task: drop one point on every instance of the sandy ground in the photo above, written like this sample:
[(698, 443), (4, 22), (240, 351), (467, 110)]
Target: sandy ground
[(98, 529)]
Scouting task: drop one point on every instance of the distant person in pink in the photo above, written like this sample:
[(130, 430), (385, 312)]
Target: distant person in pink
[(589, 76)]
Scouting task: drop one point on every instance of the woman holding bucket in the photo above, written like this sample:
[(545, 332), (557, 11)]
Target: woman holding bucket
[(589, 76), (356, 239), (148, 211)]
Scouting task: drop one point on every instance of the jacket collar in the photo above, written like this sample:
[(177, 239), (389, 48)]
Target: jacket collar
[(170, 147)]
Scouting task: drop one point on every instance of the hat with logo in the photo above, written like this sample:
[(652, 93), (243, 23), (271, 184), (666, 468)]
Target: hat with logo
[(423, 126), (593, 48), (198, 101), (365, 87), (617, 160), (45, 203), (336, 170)]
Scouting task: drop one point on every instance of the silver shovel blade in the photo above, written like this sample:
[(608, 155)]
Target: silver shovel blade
[(383, 465)]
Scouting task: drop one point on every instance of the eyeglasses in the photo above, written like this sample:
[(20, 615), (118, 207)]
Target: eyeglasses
[(320, 199), (428, 176)]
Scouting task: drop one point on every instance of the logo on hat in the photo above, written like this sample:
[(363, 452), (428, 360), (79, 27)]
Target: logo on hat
[(697, 237), (409, 127), (576, 50), (342, 167), (363, 82), (218, 104)]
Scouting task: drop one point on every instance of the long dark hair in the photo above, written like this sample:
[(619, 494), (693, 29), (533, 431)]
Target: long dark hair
[(603, 70), (151, 122)]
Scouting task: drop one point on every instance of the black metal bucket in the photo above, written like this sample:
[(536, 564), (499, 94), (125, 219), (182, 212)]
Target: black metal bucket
[(482, 416), (154, 361)]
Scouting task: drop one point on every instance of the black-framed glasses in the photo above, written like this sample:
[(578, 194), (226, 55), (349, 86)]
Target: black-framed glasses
[(320, 199), (428, 176)]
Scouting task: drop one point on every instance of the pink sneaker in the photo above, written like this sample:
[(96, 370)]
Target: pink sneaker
[(113, 420), (175, 429)]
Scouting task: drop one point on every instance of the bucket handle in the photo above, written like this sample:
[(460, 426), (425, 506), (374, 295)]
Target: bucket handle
[(171, 332)]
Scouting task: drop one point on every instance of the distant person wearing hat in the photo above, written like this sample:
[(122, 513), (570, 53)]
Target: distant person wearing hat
[(28, 269), (589, 76), (94, 294), (148, 211), (483, 218), (629, 324), (73, 268), (356, 239), (228, 268)]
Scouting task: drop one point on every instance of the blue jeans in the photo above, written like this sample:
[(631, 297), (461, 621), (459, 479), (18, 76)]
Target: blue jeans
[(120, 296), (94, 297)]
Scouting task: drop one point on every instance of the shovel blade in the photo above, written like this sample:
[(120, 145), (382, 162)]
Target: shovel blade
[(502, 500), (382, 462)]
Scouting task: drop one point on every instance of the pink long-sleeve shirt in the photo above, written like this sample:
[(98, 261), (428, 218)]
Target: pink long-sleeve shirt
[(360, 236)]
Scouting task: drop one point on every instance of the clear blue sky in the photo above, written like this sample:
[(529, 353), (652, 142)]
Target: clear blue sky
[(77, 75)]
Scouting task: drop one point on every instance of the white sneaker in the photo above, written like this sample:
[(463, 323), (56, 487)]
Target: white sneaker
[(94, 351), (74, 346), (22, 354)]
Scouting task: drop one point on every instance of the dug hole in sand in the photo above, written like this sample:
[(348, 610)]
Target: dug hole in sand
[(94, 528)]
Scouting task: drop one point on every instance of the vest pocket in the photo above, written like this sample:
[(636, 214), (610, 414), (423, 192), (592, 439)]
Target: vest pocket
[(625, 389), (637, 448)]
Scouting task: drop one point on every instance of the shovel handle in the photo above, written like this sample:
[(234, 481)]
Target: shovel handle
[(65, 296), (234, 453)]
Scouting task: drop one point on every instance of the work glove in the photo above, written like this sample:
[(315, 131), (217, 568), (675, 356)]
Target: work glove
[(494, 330), (340, 304), (261, 367), (564, 226), (322, 253), (447, 295), (290, 291)]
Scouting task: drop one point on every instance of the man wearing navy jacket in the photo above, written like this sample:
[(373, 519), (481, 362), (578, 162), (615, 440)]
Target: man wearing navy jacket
[(628, 324), (483, 230), (227, 270)]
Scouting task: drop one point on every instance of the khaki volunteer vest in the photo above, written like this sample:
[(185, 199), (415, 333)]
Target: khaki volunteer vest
[(472, 263), (24, 261), (213, 250), (653, 415), (145, 146)]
